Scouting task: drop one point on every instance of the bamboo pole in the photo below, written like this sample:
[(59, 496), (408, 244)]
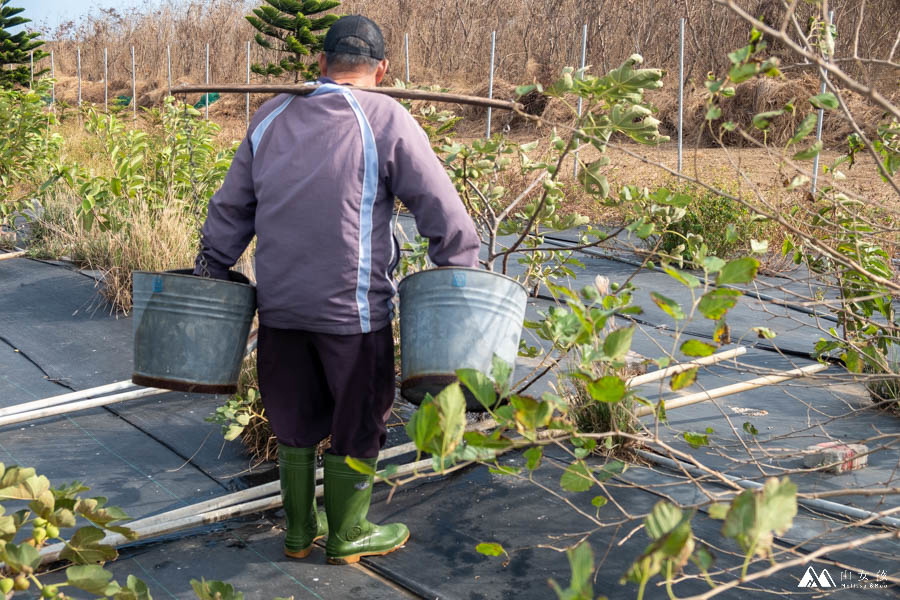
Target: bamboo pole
[(10, 255), (734, 388), (70, 397), (700, 362), (303, 90), (79, 406)]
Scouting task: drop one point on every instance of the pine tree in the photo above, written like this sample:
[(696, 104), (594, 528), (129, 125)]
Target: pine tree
[(289, 27), (16, 48)]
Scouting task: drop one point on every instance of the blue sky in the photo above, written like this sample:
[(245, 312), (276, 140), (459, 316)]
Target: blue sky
[(54, 12)]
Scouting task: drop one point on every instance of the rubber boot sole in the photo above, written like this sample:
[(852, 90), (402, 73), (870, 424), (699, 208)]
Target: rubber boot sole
[(354, 558), (302, 553)]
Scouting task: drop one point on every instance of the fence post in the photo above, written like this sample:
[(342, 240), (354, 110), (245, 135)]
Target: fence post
[(53, 77), (580, 99), (207, 81), (133, 88), (105, 81), (169, 68), (406, 51), (491, 81), (31, 82), (247, 116), (680, 91), (79, 75), (815, 173)]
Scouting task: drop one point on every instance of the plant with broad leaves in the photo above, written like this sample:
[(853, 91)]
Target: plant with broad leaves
[(237, 413), (174, 163), (28, 147), (46, 512)]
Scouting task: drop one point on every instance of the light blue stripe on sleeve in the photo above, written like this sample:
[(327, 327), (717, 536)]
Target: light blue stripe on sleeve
[(261, 128)]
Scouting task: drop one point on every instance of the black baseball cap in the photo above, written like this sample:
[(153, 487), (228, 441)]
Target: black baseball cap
[(355, 34)]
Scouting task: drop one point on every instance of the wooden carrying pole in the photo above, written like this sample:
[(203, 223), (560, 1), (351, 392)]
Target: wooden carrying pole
[(10, 255), (734, 388), (303, 90)]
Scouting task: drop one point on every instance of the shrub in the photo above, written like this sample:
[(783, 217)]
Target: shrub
[(28, 147)]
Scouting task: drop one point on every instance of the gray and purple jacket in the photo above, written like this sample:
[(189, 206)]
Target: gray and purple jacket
[(315, 180)]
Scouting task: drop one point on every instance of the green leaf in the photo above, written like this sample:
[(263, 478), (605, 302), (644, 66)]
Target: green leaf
[(662, 519), (22, 557), (804, 129), (501, 372), (599, 501), (696, 440), (741, 270), (810, 152), (764, 119), (93, 579), (713, 113), (607, 389), (683, 277), (533, 457), (713, 264), (618, 342), (451, 406), (490, 549), (581, 563), (683, 379), (702, 558), (749, 428), (697, 348), (756, 516), (759, 246), (531, 414), (477, 439), (715, 303), (763, 332), (85, 547), (610, 470), (826, 101), (480, 385), (669, 306), (359, 466), (717, 511), (576, 478)]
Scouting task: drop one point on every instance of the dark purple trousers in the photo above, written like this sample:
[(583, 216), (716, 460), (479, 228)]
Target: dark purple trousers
[(316, 384)]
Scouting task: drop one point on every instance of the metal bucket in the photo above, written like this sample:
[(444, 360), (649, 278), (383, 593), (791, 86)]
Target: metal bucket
[(190, 333), (453, 318)]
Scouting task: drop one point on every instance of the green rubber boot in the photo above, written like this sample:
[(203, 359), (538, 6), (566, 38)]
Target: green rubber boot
[(347, 497), (305, 525)]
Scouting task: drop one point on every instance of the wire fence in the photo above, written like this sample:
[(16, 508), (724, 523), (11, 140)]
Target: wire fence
[(147, 91)]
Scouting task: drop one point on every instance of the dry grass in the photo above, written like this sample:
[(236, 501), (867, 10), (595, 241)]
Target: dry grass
[(157, 241)]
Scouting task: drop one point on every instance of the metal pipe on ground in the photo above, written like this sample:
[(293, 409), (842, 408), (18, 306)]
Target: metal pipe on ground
[(814, 503), (700, 362), (734, 388), (63, 398), (79, 406)]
